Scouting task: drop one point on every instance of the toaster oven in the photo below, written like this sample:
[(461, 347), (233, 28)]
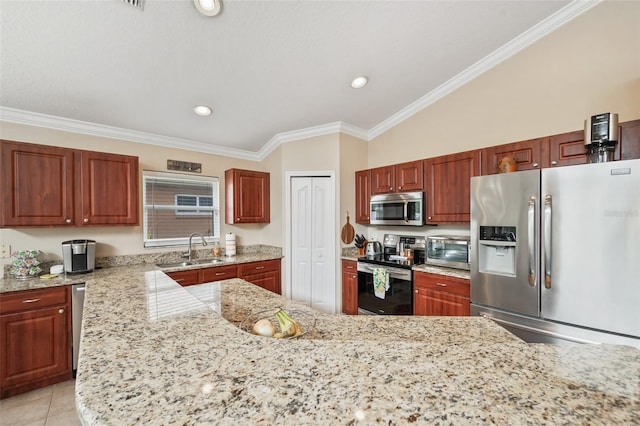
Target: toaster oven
[(449, 251)]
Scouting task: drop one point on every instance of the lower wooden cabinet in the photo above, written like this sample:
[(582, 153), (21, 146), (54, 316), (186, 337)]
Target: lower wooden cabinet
[(440, 295), (185, 278), (264, 274), (350, 287), (35, 343)]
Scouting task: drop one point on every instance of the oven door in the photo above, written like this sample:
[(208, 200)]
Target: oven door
[(398, 300)]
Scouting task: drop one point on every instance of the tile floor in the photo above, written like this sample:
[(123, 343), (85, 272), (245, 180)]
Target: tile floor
[(50, 406)]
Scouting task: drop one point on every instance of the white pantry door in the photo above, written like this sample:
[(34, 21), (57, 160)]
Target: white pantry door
[(312, 242)]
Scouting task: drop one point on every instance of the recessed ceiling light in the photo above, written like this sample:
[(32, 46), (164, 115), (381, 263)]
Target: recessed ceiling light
[(207, 7), (202, 110), (359, 82)]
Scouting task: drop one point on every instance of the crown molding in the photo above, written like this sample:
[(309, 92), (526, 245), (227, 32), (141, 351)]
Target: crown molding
[(535, 33), (17, 116), (310, 132)]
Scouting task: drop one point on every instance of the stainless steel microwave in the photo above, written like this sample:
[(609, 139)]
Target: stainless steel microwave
[(405, 208), (450, 251)]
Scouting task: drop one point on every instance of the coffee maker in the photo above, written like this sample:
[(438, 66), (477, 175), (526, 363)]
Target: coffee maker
[(601, 137), (78, 256)]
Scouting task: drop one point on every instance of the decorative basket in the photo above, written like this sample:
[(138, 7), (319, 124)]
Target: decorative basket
[(26, 264)]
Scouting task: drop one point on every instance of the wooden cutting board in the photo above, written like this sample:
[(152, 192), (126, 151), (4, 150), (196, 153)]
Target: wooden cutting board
[(348, 233)]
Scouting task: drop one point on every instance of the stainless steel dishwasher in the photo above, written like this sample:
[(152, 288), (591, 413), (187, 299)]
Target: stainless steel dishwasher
[(77, 303)]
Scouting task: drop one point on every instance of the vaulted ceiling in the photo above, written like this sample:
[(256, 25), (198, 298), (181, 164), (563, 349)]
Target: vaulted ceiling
[(267, 69)]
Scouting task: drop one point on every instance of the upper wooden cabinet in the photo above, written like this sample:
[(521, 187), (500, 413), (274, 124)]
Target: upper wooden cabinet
[(51, 186), (109, 185), (247, 196), (363, 193), (448, 186), (630, 140), (404, 177), (529, 154)]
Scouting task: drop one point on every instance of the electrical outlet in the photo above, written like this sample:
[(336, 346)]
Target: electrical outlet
[(5, 251), (374, 236)]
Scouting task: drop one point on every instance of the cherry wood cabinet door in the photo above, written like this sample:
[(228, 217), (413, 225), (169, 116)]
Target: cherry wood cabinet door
[(567, 149), (218, 273), (409, 176), (441, 295), (109, 192), (448, 186), (350, 287), (37, 185), (383, 180), (266, 274), (187, 277), (247, 197), (363, 195), (35, 342), (630, 140), (530, 154)]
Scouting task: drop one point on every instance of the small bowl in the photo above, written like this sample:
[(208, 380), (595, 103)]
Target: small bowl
[(306, 320)]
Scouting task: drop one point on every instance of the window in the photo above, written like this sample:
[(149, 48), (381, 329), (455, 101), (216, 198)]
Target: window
[(177, 205)]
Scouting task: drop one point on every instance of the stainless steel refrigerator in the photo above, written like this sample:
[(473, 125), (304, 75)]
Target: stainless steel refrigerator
[(556, 252)]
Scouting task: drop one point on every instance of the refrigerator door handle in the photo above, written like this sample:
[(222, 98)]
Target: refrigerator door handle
[(547, 241), (531, 228)]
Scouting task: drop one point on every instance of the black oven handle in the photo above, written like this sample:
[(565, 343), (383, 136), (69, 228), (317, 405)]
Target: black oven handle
[(395, 273)]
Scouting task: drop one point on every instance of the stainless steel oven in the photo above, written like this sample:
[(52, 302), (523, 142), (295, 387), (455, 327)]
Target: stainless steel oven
[(398, 298)]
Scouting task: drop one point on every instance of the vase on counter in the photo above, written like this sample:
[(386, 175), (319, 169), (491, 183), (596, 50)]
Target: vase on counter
[(26, 264)]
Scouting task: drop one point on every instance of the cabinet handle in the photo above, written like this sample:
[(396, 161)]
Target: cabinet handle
[(391, 188), (441, 284), (259, 267), (220, 273), (30, 300), (237, 218), (400, 187), (86, 220), (61, 311), (354, 276), (415, 291), (534, 165), (554, 162), (179, 279), (429, 217), (67, 220)]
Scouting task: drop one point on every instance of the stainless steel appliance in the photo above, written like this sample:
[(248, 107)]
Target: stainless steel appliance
[(600, 137), (449, 251), (78, 256), (77, 305), (556, 252), (374, 248), (406, 208), (398, 297)]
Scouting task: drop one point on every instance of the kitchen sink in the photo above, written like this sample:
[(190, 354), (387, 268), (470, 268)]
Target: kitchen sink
[(191, 263)]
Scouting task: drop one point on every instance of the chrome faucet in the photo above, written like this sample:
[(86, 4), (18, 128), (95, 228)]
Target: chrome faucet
[(204, 243)]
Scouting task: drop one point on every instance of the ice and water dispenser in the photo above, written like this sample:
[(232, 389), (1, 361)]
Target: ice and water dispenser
[(497, 250)]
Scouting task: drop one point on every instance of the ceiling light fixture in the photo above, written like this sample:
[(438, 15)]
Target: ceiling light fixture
[(202, 110), (359, 82), (208, 7)]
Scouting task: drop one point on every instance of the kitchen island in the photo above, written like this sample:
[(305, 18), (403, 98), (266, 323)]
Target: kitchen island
[(156, 353)]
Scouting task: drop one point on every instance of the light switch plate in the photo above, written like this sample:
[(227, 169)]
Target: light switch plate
[(5, 251)]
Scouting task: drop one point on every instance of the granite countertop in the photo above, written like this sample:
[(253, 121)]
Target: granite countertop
[(9, 284), (156, 353)]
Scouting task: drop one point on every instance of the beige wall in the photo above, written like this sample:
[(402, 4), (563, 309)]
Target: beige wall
[(590, 65)]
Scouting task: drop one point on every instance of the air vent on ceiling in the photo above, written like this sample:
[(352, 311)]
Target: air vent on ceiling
[(137, 3)]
